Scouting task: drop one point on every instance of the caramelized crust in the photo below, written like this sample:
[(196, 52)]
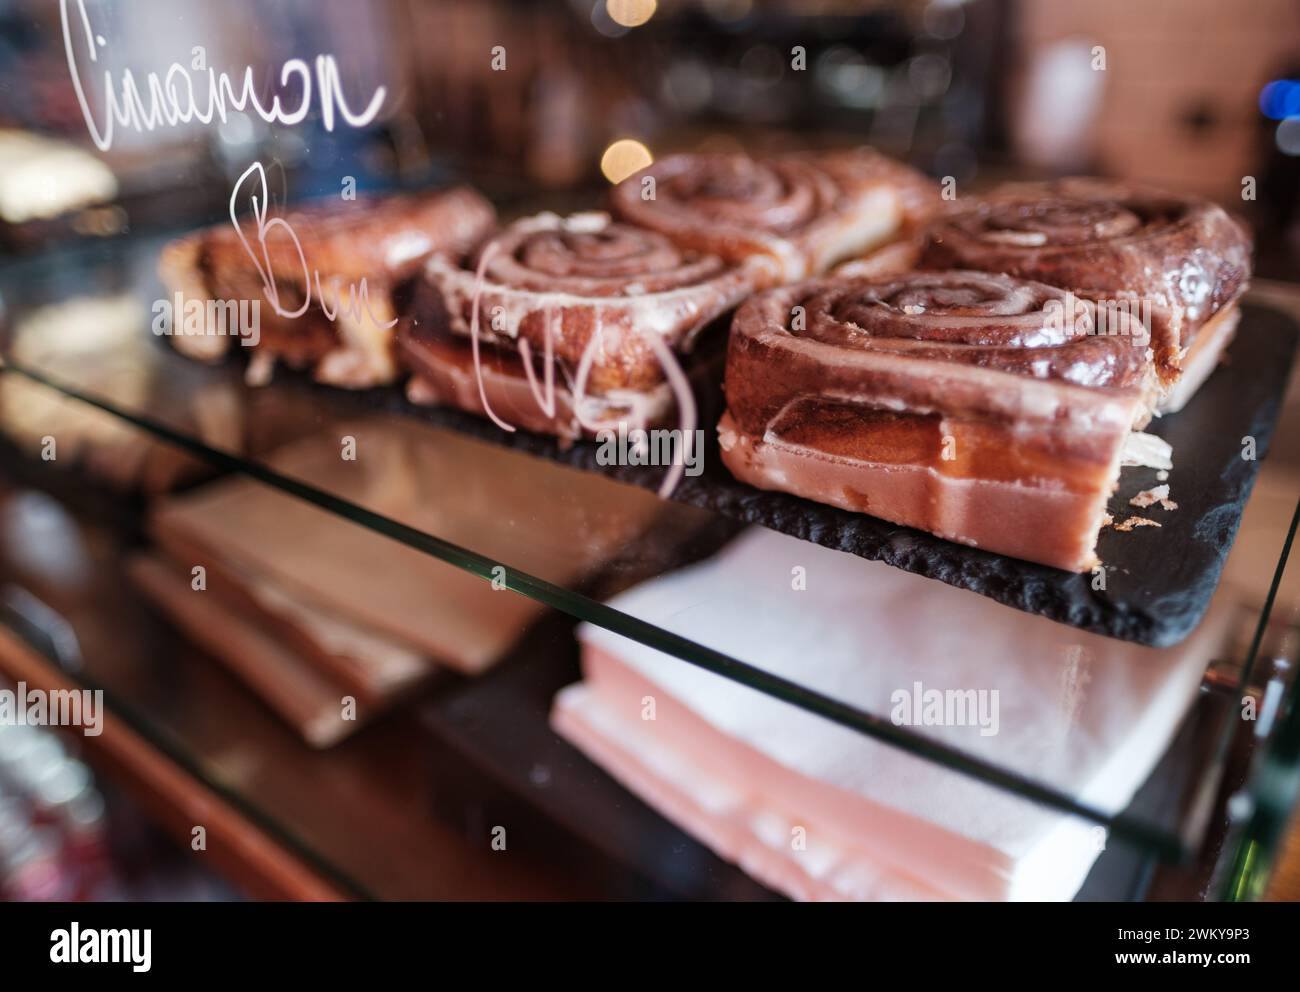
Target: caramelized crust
[(379, 238), (797, 214), (443, 373), (1185, 257), (360, 251), (932, 398), (603, 304)]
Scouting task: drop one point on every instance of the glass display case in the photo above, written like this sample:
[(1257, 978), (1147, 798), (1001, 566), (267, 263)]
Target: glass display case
[(362, 641)]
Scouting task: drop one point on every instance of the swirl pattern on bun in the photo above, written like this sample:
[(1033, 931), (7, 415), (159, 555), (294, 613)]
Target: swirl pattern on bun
[(566, 325), (797, 214), (1184, 258), (980, 407)]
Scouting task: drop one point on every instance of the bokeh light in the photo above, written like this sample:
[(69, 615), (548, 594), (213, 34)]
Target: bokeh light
[(623, 158), (1288, 136), (1280, 99), (630, 13)]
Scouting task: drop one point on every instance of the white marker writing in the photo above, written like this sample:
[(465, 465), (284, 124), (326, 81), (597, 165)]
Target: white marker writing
[(358, 293), (545, 396), (171, 99)]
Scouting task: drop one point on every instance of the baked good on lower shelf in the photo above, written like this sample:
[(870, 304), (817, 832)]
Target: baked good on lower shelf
[(1183, 261), (961, 403), (276, 644), (797, 214), (333, 267), (309, 608), (567, 325)]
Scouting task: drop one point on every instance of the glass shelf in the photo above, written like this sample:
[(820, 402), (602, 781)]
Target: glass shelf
[(76, 337)]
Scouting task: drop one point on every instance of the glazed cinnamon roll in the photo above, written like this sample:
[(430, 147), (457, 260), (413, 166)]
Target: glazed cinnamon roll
[(797, 214), (566, 326), (975, 406), (1177, 264), (323, 275)]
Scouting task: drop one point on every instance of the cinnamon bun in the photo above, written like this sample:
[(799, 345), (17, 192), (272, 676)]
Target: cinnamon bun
[(976, 406), (323, 275), (796, 214), (1177, 263), (566, 326)]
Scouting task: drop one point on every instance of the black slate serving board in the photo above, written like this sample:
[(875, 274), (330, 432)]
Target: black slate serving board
[(1158, 581)]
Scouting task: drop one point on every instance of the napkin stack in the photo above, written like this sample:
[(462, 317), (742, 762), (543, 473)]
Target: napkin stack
[(818, 811)]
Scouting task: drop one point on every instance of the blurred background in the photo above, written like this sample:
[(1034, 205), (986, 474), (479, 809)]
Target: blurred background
[(1193, 95), (540, 105)]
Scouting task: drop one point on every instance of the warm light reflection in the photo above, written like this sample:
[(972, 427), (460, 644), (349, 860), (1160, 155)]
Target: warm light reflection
[(630, 13), (623, 158)]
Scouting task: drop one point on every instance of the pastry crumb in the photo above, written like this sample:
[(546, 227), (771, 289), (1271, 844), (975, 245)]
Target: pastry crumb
[(1149, 496), (1131, 522), (1152, 496)]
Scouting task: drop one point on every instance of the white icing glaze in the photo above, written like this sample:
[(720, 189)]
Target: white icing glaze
[(651, 316)]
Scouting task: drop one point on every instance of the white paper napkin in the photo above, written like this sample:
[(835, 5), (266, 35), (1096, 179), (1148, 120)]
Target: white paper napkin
[(1085, 713)]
